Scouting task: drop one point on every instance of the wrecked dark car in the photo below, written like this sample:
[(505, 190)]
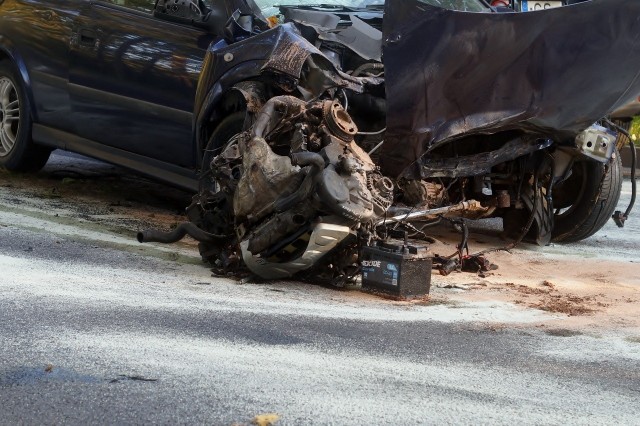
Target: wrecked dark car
[(318, 130), (365, 117)]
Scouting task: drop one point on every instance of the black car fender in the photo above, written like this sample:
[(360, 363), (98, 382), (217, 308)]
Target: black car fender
[(280, 57), (9, 51), (227, 64), (223, 98)]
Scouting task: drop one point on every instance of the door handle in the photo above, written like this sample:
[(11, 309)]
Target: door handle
[(88, 37)]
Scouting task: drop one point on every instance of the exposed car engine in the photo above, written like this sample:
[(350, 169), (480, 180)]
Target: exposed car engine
[(296, 180)]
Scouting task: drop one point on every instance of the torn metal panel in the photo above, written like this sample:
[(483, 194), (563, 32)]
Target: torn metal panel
[(292, 52), (451, 74), (362, 38), (281, 55), (477, 164), (311, 17)]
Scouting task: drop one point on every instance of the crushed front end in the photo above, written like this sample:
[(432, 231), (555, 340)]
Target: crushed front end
[(352, 129)]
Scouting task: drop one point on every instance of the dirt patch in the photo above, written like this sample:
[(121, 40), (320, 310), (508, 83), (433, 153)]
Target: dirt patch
[(552, 300), (586, 291), (564, 304)]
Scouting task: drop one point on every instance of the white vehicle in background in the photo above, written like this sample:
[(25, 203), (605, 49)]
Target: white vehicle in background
[(533, 5)]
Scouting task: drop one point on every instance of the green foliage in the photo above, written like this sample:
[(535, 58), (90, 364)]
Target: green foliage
[(635, 129)]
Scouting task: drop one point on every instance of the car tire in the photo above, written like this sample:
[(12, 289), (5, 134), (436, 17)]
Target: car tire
[(17, 150), (587, 199)]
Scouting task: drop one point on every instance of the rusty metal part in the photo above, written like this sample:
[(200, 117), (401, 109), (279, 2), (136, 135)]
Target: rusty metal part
[(409, 215), (478, 164), (276, 111), (421, 192), (381, 188), (252, 92), (266, 175), (339, 121)]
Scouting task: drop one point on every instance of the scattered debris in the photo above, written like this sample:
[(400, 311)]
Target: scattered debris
[(570, 305), (455, 285), (532, 290), (548, 284), (268, 419)]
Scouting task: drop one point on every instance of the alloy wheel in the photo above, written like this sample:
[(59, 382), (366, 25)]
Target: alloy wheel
[(9, 116)]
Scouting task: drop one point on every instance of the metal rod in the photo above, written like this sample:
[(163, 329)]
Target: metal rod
[(377, 132), (375, 148), (428, 212)]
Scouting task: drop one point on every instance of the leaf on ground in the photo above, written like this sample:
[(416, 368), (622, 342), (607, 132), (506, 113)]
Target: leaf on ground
[(265, 419)]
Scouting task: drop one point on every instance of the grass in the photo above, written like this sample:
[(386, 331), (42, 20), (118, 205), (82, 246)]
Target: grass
[(635, 130)]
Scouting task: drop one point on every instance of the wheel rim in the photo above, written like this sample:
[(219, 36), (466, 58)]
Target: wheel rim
[(9, 116)]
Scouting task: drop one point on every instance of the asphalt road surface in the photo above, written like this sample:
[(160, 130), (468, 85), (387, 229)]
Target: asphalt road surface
[(97, 329)]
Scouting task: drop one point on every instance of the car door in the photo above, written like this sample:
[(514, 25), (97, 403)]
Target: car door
[(38, 32), (133, 79)]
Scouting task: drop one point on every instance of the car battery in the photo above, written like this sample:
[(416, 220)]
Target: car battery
[(397, 270)]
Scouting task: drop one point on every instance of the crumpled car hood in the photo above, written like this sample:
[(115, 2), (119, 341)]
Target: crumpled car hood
[(450, 74)]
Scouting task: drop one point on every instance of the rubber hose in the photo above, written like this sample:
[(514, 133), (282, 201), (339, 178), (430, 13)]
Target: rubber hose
[(633, 177), (268, 111), (182, 230), (316, 161), (308, 159), (369, 65)]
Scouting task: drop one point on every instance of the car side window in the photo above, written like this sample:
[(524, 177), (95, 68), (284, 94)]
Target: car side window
[(140, 5)]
